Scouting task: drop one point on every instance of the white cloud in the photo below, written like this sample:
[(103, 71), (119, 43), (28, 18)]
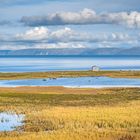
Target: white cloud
[(12, 47), (86, 16), (66, 35), (62, 34), (42, 37), (60, 45), (42, 46), (36, 33)]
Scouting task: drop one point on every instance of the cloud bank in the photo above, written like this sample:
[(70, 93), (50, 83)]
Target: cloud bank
[(65, 35), (42, 46), (86, 16), (42, 37)]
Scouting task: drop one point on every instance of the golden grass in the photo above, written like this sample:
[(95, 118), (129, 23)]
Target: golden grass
[(57, 90), (101, 114), (80, 124)]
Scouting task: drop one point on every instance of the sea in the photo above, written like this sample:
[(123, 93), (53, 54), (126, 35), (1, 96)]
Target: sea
[(67, 63)]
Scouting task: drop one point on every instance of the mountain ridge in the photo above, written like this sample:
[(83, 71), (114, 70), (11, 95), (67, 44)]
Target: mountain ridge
[(71, 51)]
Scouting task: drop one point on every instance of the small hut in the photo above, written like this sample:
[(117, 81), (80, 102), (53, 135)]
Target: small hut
[(95, 68)]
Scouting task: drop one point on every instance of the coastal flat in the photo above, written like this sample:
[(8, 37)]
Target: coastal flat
[(71, 113), (60, 74), (69, 69)]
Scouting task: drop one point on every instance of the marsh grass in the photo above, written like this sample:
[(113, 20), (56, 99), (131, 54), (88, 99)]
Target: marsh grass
[(95, 114), (60, 74), (126, 137)]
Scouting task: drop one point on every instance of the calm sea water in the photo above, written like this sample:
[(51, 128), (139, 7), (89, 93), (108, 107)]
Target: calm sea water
[(57, 63)]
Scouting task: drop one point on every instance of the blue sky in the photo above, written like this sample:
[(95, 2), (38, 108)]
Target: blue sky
[(73, 23)]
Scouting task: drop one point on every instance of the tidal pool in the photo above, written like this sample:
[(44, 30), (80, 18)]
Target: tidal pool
[(9, 121), (74, 82)]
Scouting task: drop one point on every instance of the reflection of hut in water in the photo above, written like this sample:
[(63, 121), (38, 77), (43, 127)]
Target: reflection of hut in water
[(95, 68)]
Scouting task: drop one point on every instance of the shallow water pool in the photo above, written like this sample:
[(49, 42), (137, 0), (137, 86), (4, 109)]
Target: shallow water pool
[(74, 82), (9, 121)]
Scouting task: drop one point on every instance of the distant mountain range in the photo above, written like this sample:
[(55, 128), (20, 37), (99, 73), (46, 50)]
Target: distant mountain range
[(72, 51)]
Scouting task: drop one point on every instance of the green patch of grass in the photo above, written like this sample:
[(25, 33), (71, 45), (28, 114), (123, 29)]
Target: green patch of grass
[(117, 96)]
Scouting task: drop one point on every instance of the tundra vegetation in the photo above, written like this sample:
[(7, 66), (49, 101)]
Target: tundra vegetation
[(58, 113), (60, 74)]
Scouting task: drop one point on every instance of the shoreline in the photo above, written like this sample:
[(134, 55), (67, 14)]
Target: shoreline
[(69, 74), (77, 87), (49, 89)]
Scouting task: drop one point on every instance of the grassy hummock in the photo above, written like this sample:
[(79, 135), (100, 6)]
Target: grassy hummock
[(60, 74)]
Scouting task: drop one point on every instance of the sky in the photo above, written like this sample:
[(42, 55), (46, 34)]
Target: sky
[(27, 24)]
